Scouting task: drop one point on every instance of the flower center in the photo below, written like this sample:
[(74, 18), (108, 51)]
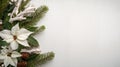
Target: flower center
[(15, 37), (9, 54)]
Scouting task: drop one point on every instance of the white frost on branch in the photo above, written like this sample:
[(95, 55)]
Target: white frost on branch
[(29, 10), (15, 10), (23, 14), (17, 18), (33, 50)]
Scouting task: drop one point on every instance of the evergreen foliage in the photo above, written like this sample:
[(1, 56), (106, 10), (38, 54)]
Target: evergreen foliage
[(3, 5), (32, 41), (40, 59), (29, 23), (22, 7), (39, 29), (39, 13)]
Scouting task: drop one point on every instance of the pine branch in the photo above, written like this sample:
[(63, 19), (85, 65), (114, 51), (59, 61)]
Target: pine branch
[(5, 17), (45, 57), (3, 5), (39, 29), (39, 13), (40, 59), (32, 29), (35, 29), (24, 3)]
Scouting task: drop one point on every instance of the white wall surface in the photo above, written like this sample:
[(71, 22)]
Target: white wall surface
[(82, 33)]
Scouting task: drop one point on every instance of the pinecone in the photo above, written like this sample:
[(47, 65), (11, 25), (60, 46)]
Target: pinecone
[(22, 64), (25, 55)]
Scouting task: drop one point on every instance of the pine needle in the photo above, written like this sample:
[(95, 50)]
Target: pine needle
[(39, 13), (3, 5), (39, 29), (24, 3), (41, 59)]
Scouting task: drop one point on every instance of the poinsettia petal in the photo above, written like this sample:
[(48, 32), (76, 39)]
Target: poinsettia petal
[(23, 34), (15, 54), (15, 61), (2, 56), (9, 40), (8, 60), (15, 29), (6, 31), (14, 45), (23, 42), (4, 51), (6, 35)]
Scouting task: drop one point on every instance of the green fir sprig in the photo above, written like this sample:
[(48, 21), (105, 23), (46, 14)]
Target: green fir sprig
[(6, 8), (40, 59)]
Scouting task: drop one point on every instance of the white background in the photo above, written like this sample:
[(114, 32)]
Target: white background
[(82, 33)]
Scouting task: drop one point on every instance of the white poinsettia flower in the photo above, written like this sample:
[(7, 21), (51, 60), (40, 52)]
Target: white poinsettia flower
[(9, 57), (16, 36)]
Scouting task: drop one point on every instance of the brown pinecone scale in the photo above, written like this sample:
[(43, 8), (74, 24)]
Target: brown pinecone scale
[(22, 64)]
